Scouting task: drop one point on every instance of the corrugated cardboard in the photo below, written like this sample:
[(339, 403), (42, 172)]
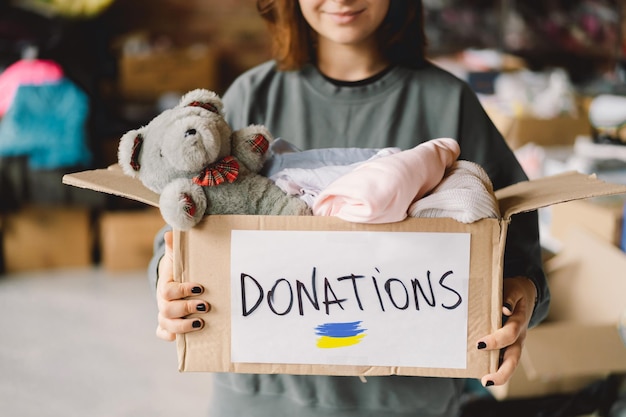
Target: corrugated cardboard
[(580, 342), (147, 76), (520, 130), (121, 250), (199, 351), (43, 237), (588, 277), (202, 254), (601, 216)]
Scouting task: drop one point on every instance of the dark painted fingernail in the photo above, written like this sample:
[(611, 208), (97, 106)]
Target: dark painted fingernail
[(201, 307), (489, 383), (508, 307), (196, 324), (481, 345), (196, 290)]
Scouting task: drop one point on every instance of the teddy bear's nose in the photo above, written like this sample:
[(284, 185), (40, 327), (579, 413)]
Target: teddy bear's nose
[(190, 132)]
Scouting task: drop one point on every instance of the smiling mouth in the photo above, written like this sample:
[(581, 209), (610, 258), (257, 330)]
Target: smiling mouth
[(344, 17), (348, 13)]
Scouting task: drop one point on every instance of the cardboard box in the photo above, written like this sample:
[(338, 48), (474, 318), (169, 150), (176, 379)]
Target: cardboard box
[(602, 216), (584, 337), (148, 76), (520, 130), (42, 237), (204, 254), (126, 238)]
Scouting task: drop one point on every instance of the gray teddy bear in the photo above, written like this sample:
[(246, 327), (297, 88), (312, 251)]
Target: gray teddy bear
[(199, 165)]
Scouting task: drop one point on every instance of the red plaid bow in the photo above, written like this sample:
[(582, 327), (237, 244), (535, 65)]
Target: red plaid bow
[(227, 169)]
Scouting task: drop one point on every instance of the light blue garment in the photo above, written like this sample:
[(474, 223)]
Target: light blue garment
[(312, 158), (47, 123)]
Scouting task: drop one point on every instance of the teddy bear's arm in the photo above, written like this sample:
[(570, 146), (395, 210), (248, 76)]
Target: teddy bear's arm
[(250, 145), (182, 204)]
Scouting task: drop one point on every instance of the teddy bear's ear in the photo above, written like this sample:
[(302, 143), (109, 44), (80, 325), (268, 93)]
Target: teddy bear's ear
[(128, 152), (203, 98)]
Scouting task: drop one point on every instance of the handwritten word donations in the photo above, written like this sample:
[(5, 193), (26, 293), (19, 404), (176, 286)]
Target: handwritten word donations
[(390, 293)]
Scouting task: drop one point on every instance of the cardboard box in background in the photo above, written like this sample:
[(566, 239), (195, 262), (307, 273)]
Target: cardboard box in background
[(581, 341), (126, 238), (44, 237), (204, 254), (147, 76), (520, 130), (602, 216)]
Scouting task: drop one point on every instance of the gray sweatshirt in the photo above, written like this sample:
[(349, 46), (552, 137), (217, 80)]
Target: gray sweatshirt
[(400, 108)]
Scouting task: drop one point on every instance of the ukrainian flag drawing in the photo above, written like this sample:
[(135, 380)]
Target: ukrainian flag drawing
[(336, 335)]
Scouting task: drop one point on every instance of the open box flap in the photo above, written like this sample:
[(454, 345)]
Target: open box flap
[(531, 195), (514, 199), (113, 181)]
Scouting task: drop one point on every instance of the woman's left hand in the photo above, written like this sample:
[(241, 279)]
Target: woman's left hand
[(518, 303)]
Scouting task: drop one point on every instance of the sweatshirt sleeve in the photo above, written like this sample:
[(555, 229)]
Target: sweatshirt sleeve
[(157, 253), (482, 143)]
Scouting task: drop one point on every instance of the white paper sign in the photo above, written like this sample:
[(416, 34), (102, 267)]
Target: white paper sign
[(350, 298)]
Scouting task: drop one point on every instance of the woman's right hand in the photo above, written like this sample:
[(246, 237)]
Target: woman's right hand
[(171, 299)]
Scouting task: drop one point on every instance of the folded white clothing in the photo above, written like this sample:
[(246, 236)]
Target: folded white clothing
[(465, 194)]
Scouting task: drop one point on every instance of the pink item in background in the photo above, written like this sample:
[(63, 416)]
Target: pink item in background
[(381, 190), (26, 72)]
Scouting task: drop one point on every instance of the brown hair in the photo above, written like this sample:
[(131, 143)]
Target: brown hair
[(401, 34)]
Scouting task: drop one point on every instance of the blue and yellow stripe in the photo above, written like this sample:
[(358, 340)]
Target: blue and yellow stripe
[(336, 335)]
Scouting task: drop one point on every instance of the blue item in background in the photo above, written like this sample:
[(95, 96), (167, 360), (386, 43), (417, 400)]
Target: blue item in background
[(47, 123)]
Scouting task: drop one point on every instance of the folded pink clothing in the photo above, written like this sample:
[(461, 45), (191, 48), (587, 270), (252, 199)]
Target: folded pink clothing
[(381, 190)]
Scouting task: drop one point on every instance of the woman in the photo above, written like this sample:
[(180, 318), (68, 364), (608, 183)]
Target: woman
[(353, 73)]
